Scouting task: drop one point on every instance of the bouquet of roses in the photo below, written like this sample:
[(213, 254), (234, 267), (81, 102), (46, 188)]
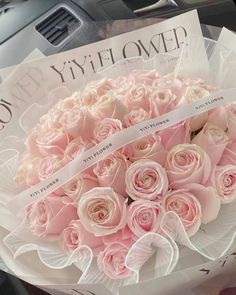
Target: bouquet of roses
[(119, 175)]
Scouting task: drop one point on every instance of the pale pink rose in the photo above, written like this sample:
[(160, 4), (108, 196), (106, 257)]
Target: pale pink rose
[(108, 106), (102, 211), (27, 172), (170, 82), (147, 180), (136, 116), (74, 189), (75, 148), (111, 260), (229, 154), (192, 94), (48, 166), (218, 116), (51, 120), (177, 134), (208, 199), (187, 163), (101, 87), (106, 128), (124, 234), (138, 97), (162, 102), (187, 207), (121, 85), (224, 180), (212, 140), (75, 235), (88, 98), (31, 143), (144, 216), (149, 147), (146, 77), (53, 142), (231, 121), (78, 122), (111, 171), (48, 216), (68, 103)]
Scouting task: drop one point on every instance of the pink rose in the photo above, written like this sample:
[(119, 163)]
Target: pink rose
[(177, 134), (187, 163), (217, 116), (106, 128), (162, 101), (170, 82), (187, 207), (147, 180), (73, 190), (224, 180), (102, 211), (108, 106), (68, 103), (101, 87), (231, 121), (121, 85), (112, 260), (136, 116), (192, 94), (146, 77), (48, 216), (144, 216), (53, 142), (78, 122), (48, 166), (149, 147), (51, 121), (229, 154), (75, 235), (75, 148), (111, 171), (88, 98), (212, 140), (137, 97), (124, 234)]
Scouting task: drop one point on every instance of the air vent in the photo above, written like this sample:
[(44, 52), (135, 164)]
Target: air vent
[(58, 26)]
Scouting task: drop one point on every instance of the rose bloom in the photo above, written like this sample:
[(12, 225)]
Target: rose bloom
[(218, 117), (78, 122), (192, 94), (75, 235), (73, 190), (88, 98), (147, 180), (162, 102), (146, 77), (144, 216), (229, 154), (48, 216), (51, 120), (112, 260), (48, 166), (170, 82), (109, 106), (53, 142), (224, 181), (212, 140), (177, 134), (231, 121), (136, 116), (102, 211), (149, 147), (68, 103), (137, 97), (120, 86), (106, 128), (111, 171), (100, 86), (187, 207), (187, 163)]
